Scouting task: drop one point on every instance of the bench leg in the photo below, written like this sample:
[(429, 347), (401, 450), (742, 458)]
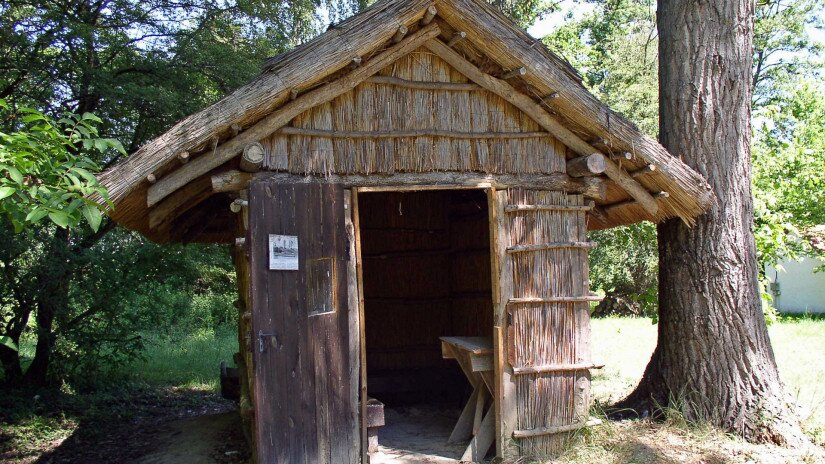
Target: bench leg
[(464, 427), (482, 441)]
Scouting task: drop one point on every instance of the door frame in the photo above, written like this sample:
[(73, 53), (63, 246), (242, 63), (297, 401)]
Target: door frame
[(499, 264)]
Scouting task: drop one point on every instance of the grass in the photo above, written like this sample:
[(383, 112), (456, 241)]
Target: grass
[(625, 346), (188, 361)]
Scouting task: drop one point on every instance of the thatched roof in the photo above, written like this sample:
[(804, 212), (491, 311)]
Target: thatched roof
[(165, 191)]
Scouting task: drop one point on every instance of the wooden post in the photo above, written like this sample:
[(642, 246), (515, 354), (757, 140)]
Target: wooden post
[(356, 224), (354, 318), (504, 395)]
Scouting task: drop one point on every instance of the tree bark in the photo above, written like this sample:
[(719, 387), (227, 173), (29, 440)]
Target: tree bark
[(54, 280), (714, 360), (10, 360)]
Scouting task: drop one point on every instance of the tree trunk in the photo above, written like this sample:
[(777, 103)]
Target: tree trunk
[(10, 360), (714, 361), (54, 281)]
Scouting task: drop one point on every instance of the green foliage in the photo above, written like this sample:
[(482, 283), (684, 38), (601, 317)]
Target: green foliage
[(8, 343), (47, 173), (616, 49), (525, 12), (783, 46), (625, 264)]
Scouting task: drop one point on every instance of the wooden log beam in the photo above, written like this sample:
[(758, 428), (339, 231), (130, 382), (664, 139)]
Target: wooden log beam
[(549, 246), (556, 368), (518, 72), (622, 204), (592, 187), (193, 194), (590, 165), (332, 134), (549, 123), (286, 113), (423, 85)]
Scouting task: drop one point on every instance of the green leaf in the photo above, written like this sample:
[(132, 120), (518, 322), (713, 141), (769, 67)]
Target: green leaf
[(91, 117), (15, 175), (36, 215), (60, 218), (93, 216), (114, 143), (8, 343), (6, 192)]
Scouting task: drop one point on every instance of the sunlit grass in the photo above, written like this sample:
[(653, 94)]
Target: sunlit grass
[(624, 345), (188, 361)]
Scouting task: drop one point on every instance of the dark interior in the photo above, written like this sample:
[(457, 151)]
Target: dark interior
[(426, 274)]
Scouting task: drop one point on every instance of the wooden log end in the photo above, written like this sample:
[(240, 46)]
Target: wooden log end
[(400, 33), (183, 157), (456, 38), (252, 158), (151, 178), (591, 165), (429, 15), (518, 72)]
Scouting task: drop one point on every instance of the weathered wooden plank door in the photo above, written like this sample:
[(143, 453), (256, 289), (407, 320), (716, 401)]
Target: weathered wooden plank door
[(305, 379), (542, 319)]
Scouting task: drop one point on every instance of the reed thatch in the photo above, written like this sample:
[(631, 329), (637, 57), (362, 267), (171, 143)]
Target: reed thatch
[(365, 99), (548, 339)]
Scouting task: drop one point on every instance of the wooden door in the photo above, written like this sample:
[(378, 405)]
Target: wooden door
[(305, 377), (542, 319)]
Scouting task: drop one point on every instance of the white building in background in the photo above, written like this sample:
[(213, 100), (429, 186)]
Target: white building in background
[(796, 288)]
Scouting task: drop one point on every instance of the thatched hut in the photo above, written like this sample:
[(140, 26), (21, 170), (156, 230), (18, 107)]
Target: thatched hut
[(408, 196)]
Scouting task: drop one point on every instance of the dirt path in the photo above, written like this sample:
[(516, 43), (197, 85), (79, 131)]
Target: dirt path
[(209, 439)]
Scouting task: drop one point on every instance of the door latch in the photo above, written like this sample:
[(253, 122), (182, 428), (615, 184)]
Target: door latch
[(261, 336)]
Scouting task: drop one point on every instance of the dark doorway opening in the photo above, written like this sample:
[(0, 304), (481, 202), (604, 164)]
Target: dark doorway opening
[(426, 274)]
